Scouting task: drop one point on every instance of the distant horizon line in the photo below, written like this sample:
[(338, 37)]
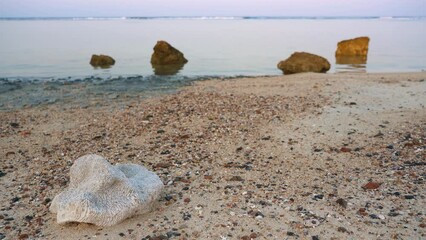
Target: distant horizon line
[(208, 17)]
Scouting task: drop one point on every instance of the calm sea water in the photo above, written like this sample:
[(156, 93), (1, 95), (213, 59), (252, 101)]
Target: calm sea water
[(59, 50)]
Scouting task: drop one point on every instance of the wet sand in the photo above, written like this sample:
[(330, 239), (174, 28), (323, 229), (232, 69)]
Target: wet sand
[(306, 156)]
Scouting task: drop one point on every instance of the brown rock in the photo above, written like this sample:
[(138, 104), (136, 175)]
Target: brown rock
[(353, 47), (166, 54), (371, 186), (362, 212), (345, 149), (102, 61), (300, 62)]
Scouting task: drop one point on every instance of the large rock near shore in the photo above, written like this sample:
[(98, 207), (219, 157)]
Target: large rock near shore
[(105, 195), (300, 62), (102, 61), (166, 54), (353, 47)]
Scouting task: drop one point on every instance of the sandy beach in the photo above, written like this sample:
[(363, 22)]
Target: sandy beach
[(305, 156)]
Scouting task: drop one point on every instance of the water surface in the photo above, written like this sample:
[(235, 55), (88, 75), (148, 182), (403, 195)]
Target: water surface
[(59, 50)]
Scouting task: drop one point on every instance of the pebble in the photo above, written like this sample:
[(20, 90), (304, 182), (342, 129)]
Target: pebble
[(345, 149), (236, 178), (168, 197), (23, 236), (342, 202), (318, 197), (393, 214), (371, 186), (186, 216), (172, 234), (342, 229), (409, 197)]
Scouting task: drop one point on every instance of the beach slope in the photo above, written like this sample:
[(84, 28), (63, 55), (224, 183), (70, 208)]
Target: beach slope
[(302, 156)]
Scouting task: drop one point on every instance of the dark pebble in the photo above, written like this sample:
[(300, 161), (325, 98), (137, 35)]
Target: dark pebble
[(160, 237), (342, 202), (168, 197), (172, 234), (258, 213), (393, 214), (160, 131), (165, 152), (2, 236), (14, 124), (291, 234), (2, 174), (186, 216), (28, 218), (318, 197), (266, 138), (121, 234), (374, 216), (390, 146), (15, 199), (342, 229), (409, 197), (315, 238)]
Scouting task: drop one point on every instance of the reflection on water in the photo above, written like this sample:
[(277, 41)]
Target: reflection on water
[(353, 64), (102, 67), (165, 70)]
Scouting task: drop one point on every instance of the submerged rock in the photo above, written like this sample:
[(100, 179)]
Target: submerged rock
[(300, 62), (102, 61), (105, 195), (353, 47), (166, 54)]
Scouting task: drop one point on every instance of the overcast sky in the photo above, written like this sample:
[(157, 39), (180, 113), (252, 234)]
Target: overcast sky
[(93, 8)]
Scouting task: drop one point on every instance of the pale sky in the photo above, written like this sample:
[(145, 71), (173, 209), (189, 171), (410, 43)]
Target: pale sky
[(119, 8)]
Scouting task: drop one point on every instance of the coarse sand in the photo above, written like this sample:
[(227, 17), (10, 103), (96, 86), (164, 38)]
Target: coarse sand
[(305, 156)]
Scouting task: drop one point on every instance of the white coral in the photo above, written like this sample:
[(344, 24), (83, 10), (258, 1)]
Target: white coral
[(105, 195)]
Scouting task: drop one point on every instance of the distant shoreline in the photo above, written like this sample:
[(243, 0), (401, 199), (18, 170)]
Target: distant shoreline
[(218, 18)]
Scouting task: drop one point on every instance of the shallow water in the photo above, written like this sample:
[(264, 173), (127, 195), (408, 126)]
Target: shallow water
[(35, 51)]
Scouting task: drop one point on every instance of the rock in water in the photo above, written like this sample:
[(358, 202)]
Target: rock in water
[(166, 54), (353, 47), (105, 195), (102, 61), (300, 62)]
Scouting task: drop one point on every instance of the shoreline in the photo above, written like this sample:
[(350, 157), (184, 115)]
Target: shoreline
[(283, 156)]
